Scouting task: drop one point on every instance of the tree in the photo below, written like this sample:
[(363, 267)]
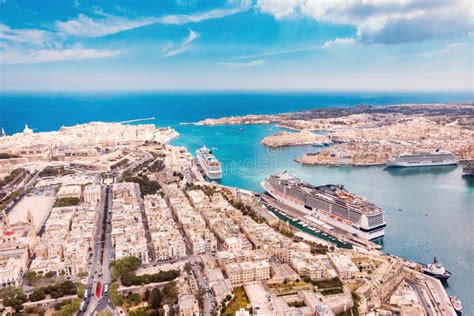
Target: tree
[(134, 299), (31, 277), (155, 299), (126, 265), (115, 297), (228, 297), (14, 297), (71, 308), (50, 274), (38, 295)]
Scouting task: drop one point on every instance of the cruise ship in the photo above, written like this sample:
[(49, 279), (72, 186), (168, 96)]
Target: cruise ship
[(210, 165), (468, 170), (332, 204), (437, 158)]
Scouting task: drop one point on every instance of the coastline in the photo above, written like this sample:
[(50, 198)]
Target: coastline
[(366, 135)]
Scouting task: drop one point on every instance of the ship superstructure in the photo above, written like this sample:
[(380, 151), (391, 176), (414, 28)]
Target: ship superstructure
[(211, 167), (332, 204), (437, 158), (436, 270)]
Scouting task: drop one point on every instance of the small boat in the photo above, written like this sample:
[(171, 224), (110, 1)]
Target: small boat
[(241, 129), (456, 302), (400, 210), (436, 270)]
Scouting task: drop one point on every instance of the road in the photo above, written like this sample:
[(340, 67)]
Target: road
[(102, 254), (202, 285)]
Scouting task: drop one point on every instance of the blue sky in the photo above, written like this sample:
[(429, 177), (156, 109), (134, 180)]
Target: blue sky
[(236, 45)]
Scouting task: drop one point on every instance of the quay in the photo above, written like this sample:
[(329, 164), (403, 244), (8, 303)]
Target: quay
[(335, 235)]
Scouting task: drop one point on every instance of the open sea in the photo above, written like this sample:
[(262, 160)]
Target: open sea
[(437, 204)]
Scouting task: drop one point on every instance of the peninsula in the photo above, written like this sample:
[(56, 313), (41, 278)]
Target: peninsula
[(370, 135)]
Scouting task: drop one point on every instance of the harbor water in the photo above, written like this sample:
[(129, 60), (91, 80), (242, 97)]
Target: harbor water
[(429, 211)]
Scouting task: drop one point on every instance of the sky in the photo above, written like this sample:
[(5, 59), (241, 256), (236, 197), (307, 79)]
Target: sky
[(237, 45)]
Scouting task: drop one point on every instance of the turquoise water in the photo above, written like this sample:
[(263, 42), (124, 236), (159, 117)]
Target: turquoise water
[(437, 204)]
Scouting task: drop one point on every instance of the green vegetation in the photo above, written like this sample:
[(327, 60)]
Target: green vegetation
[(67, 308), (35, 310), (157, 166), (9, 199), (13, 297), (332, 291), (318, 249), (329, 286), (8, 156), (55, 291), (239, 301), (31, 277), (82, 275), (129, 279), (134, 299), (247, 210), (147, 186), (297, 304), (104, 313), (67, 201), (115, 297), (288, 233), (12, 176), (124, 266), (54, 172), (121, 163), (328, 283)]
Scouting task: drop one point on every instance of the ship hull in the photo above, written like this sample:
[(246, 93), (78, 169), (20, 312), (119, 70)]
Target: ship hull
[(422, 164), (441, 277), (298, 205)]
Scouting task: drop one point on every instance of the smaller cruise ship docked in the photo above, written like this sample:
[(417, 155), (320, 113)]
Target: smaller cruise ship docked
[(436, 270), (211, 167), (437, 158)]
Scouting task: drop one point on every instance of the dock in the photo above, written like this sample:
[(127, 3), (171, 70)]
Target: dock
[(336, 236)]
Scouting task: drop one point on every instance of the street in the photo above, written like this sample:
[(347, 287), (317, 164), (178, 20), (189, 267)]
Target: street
[(102, 253)]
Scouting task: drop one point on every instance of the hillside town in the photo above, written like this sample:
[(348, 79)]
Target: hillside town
[(109, 218)]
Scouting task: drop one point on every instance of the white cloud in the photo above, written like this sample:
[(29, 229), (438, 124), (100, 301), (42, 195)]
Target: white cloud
[(181, 47), (387, 22), (23, 36), (337, 42), (233, 64), (18, 56), (85, 26), (279, 9), (207, 15), (107, 24)]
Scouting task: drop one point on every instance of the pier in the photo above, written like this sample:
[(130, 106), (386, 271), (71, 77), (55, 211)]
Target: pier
[(336, 236), (138, 120)]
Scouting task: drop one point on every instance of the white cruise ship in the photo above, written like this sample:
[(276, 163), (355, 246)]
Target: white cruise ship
[(437, 158), (210, 165), (329, 203)]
